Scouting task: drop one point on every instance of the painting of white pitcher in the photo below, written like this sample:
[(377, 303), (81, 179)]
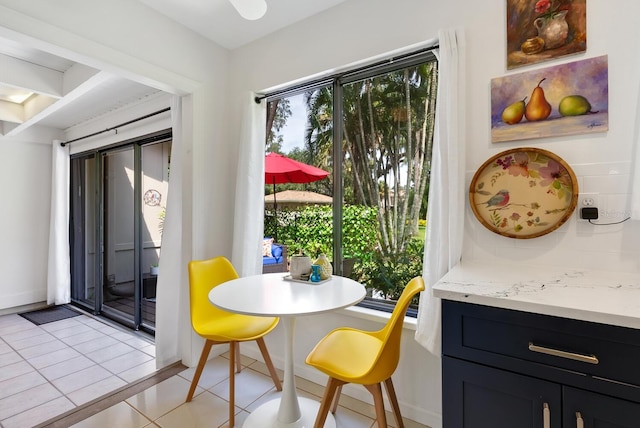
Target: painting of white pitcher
[(541, 30)]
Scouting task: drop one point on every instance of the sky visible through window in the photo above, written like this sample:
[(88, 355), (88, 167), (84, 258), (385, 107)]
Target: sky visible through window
[(293, 131)]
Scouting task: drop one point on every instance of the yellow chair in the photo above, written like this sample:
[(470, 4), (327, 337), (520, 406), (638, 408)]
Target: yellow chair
[(218, 326), (367, 358)]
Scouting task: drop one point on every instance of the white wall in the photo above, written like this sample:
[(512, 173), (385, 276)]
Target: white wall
[(602, 161), (360, 29), (131, 40), (25, 200)]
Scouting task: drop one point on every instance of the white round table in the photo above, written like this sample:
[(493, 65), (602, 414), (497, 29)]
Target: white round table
[(271, 295)]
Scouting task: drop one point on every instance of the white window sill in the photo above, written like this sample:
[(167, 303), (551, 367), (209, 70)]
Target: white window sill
[(378, 316)]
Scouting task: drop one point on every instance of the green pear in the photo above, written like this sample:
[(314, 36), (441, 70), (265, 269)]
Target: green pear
[(538, 107), (513, 113), (574, 105)]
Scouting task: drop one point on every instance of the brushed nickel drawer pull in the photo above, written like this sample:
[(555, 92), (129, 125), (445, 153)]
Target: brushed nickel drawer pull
[(579, 421), (591, 359)]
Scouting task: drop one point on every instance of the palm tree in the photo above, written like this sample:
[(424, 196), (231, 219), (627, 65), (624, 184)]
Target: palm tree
[(388, 126), (278, 111)]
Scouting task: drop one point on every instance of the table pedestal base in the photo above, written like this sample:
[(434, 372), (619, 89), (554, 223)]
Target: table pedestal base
[(266, 416)]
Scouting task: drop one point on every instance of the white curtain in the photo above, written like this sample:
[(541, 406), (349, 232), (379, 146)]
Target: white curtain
[(635, 167), (172, 293), (248, 226), (445, 215), (58, 267)]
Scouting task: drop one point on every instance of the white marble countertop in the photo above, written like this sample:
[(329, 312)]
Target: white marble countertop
[(583, 294)]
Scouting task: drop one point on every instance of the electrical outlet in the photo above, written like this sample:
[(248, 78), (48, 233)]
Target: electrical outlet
[(587, 200)]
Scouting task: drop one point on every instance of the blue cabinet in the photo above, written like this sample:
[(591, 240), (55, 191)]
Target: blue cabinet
[(590, 410), (511, 369), (477, 396)]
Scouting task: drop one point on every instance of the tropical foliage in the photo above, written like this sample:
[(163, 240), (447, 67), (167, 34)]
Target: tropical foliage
[(278, 111), (310, 230), (387, 127)]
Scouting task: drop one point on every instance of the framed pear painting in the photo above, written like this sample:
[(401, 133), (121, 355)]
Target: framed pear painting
[(541, 30), (566, 99)]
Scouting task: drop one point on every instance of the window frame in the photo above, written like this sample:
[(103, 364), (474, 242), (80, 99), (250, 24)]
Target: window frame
[(337, 82)]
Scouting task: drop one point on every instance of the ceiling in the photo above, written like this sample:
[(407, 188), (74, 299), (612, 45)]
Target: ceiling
[(217, 20), (66, 93)]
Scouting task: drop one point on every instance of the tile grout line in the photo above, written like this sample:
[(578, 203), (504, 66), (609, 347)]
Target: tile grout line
[(99, 404), (25, 360), (66, 345)]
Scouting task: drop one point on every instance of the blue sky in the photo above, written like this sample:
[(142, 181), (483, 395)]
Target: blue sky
[(293, 131)]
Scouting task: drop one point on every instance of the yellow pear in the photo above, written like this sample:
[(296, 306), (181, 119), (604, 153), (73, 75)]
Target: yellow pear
[(538, 107), (513, 113)]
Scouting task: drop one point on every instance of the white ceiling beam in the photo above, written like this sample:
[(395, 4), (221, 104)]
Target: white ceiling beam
[(36, 104), (77, 75), (80, 90), (11, 112), (22, 74), (6, 127)]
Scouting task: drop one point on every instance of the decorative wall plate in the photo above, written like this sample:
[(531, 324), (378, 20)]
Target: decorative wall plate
[(523, 193), (152, 197)]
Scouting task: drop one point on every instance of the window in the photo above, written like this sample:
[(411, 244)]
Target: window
[(372, 129)]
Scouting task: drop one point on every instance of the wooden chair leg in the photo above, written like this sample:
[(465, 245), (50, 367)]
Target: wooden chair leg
[(269, 363), (391, 392), (329, 393), (232, 384), (378, 401), (238, 358), (334, 407), (196, 376)]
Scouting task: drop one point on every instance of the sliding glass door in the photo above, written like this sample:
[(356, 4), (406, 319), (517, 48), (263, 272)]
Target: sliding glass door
[(118, 200)]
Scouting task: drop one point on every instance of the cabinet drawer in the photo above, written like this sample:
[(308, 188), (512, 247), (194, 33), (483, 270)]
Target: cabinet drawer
[(476, 396), (602, 351)]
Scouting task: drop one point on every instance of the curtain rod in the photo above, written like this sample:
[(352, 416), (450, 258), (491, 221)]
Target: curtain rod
[(115, 128), (331, 77)]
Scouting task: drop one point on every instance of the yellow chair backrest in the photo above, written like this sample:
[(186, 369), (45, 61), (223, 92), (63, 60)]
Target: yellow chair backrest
[(203, 276), (391, 333)]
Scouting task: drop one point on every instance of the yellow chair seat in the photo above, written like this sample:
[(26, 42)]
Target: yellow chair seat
[(235, 328), (367, 358), (349, 355)]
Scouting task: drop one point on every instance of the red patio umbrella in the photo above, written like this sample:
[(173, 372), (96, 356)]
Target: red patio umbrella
[(279, 169)]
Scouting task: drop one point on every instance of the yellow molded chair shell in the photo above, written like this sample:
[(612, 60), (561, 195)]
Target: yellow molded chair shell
[(217, 326), (211, 322), (348, 355)]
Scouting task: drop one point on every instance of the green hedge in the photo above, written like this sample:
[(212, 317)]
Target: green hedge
[(310, 229)]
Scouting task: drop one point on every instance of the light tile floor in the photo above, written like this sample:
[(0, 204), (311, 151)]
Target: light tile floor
[(48, 370), (163, 404)]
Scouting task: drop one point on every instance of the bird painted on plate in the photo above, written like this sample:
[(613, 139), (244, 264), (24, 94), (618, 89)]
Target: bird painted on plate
[(498, 200)]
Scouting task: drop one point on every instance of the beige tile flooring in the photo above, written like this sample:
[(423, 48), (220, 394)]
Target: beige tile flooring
[(50, 370)]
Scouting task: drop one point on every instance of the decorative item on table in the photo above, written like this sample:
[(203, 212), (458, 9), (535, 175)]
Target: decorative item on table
[(154, 270), (315, 273), (300, 266), (326, 270)]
